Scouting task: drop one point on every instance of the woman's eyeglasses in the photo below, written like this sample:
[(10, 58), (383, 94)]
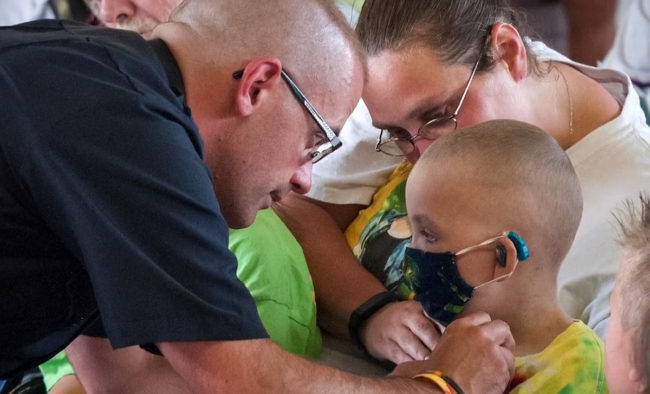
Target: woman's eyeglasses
[(401, 144)]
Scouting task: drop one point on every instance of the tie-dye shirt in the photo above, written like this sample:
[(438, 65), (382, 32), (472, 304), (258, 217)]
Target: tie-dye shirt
[(572, 363), (379, 235)]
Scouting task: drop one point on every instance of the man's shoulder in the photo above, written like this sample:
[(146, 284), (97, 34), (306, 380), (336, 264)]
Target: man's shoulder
[(60, 46), (64, 69), (55, 31)]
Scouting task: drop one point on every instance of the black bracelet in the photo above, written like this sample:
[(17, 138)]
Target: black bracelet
[(367, 309), (453, 384)]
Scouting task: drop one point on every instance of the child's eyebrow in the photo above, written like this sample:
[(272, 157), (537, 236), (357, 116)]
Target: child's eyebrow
[(425, 221)]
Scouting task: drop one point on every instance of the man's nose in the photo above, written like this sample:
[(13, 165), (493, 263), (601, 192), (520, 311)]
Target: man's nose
[(301, 179), (115, 11)]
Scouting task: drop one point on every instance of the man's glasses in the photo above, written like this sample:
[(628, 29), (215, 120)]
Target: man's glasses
[(402, 143), (333, 142)]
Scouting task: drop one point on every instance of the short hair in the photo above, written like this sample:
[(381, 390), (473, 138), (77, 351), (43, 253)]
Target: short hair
[(456, 30), (634, 278), (529, 177), (242, 24)]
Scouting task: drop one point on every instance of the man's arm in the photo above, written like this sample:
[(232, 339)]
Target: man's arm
[(259, 366), (474, 351), (250, 366), (101, 369)]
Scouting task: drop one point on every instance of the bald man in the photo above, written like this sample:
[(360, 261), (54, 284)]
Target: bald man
[(109, 216)]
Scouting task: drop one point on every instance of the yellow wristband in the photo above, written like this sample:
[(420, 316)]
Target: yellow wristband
[(435, 379)]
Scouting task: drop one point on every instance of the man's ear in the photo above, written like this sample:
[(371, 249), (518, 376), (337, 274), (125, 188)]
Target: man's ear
[(507, 46), (257, 78)]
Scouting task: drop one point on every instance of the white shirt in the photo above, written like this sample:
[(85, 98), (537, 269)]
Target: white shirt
[(18, 11)]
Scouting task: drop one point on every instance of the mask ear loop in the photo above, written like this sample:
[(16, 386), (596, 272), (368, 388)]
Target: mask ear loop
[(499, 278), (507, 235), (486, 242)]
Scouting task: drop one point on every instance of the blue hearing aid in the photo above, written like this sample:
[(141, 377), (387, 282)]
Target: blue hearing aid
[(520, 246)]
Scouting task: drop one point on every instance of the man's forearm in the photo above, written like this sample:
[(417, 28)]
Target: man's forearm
[(258, 366), (474, 350), (101, 369)]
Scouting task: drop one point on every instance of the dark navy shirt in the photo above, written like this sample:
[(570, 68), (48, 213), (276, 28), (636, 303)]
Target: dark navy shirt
[(105, 201)]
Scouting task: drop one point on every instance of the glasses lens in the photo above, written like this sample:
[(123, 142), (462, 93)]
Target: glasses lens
[(321, 151), (394, 145), (397, 148), (436, 128)]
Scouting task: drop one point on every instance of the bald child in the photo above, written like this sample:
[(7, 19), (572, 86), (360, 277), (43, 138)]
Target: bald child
[(494, 209)]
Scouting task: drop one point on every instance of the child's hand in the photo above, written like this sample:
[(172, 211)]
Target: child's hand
[(400, 332)]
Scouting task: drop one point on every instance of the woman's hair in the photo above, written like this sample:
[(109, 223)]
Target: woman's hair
[(456, 30), (633, 280)]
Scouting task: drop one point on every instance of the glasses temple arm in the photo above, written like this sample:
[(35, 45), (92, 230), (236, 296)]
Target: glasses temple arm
[(334, 140)]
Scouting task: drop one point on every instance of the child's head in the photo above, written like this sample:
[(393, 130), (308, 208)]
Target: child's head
[(475, 184), (627, 344)]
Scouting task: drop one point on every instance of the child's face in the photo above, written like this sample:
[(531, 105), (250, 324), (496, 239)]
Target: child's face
[(445, 217), (619, 367)]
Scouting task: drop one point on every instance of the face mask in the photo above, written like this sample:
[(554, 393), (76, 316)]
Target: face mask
[(437, 284)]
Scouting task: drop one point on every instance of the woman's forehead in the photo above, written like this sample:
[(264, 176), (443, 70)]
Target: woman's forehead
[(409, 78)]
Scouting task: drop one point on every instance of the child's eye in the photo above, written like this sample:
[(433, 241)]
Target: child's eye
[(427, 236)]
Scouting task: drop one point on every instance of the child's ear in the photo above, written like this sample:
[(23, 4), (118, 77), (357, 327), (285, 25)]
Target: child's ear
[(259, 75), (507, 46), (634, 374), (506, 255)]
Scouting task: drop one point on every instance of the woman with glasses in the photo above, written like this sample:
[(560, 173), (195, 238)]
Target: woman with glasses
[(434, 67)]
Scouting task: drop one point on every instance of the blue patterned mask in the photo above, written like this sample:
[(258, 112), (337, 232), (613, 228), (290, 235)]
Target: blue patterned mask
[(437, 284)]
